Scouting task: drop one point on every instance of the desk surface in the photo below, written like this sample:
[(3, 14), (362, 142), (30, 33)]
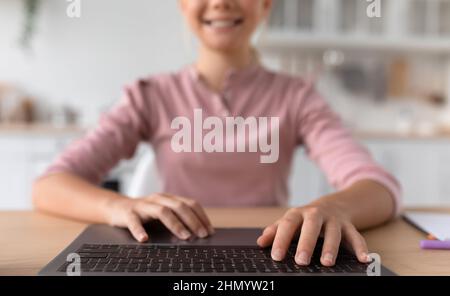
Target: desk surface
[(29, 240)]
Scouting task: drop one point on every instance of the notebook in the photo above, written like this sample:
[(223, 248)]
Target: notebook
[(436, 224)]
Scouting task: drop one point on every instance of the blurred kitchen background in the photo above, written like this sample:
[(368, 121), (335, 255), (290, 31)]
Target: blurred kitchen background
[(387, 76)]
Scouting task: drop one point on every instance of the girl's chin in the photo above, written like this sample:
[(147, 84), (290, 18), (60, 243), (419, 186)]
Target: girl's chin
[(223, 47), (223, 44)]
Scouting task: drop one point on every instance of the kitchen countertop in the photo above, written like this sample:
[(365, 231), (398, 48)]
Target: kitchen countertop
[(49, 129), (11, 129)]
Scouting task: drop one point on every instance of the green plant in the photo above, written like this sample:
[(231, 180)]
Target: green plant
[(30, 9)]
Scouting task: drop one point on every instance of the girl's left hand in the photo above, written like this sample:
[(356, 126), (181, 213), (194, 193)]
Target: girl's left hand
[(313, 220)]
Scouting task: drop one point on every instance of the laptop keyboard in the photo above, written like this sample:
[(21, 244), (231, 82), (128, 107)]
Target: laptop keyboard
[(172, 259)]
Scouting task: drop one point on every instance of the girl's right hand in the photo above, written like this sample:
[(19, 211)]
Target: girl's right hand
[(182, 216)]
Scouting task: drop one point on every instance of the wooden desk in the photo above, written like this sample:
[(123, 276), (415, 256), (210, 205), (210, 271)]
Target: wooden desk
[(29, 240)]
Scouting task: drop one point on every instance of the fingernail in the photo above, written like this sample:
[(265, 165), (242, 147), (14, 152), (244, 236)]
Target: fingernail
[(142, 237), (365, 257), (328, 258), (259, 242), (202, 232), (185, 234), (302, 258), (277, 254)]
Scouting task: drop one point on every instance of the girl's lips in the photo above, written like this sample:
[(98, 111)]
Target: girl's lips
[(221, 24)]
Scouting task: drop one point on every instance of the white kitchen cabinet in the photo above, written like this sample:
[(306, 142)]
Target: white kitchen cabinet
[(23, 157), (422, 166)]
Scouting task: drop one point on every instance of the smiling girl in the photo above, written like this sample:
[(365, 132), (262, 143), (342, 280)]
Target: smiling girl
[(226, 80)]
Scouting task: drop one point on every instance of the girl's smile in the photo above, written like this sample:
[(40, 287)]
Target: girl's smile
[(224, 25)]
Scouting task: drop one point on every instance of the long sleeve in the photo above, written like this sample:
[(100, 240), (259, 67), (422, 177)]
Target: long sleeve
[(332, 147), (116, 137)]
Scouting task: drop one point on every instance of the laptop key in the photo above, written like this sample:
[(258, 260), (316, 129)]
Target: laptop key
[(63, 268), (91, 246)]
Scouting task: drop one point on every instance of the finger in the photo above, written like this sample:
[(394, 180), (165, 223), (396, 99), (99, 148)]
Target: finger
[(357, 242), (308, 238), (266, 238), (185, 213), (167, 217), (331, 244), (134, 224), (200, 212), (285, 232)]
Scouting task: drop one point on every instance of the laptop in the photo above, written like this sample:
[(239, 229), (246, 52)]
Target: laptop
[(102, 250)]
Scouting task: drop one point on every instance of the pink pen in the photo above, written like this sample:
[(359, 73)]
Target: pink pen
[(435, 245)]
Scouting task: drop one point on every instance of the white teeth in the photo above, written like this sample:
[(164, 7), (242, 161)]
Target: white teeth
[(222, 24)]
